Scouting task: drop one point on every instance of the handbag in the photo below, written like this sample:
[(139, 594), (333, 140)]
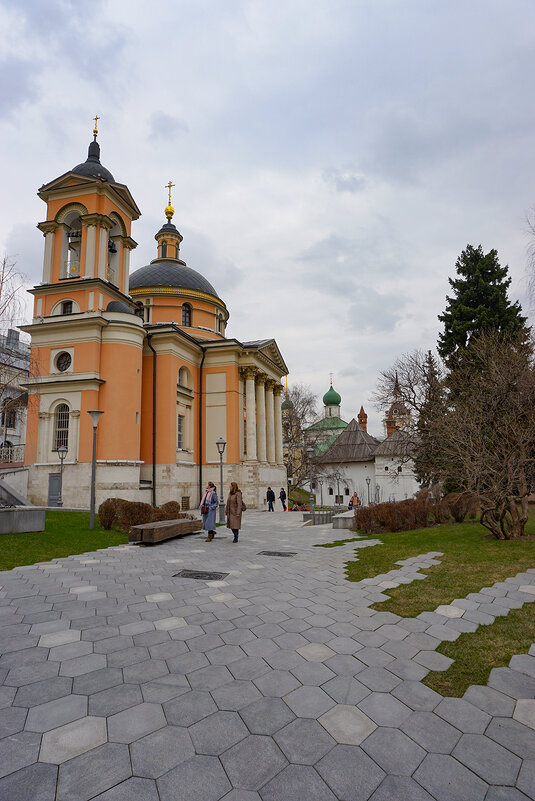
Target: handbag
[(205, 509), (243, 506)]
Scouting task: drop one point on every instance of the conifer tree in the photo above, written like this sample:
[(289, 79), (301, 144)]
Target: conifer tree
[(479, 304)]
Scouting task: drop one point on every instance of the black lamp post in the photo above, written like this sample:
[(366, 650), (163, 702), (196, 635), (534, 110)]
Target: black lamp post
[(62, 453), (368, 481), (221, 445), (95, 417), (310, 454)]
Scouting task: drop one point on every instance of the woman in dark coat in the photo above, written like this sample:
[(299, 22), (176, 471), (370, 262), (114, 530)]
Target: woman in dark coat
[(233, 509), (210, 502)]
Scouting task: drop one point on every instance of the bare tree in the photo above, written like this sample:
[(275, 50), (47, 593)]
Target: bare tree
[(296, 420), (477, 427), (11, 286)]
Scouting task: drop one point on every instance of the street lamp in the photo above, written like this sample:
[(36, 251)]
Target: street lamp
[(221, 444), (320, 482), (310, 454), (95, 417), (62, 453), (368, 481)]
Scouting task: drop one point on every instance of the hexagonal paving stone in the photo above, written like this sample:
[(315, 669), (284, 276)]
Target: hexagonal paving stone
[(399, 788), (295, 783), (463, 715), (200, 778), (56, 713), (304, 741), (525, 712), (95, 772), (309, 702), (487, 759), (347, 724), (114, 700), (350, 773), (267, 715), (18, 751), (209, 678), (82, 664), (35, 783), (216, 733), (135, 722), (447, 780), (316, 652), (12, 719), (159, 752), (73, 739), (189, 708), (431, 732), (236, 695), (253, 762), (384, 709), (393, 751), (277, 683), (133, 789)]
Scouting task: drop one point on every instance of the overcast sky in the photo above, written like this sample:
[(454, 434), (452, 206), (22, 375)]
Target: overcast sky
[(331, 159)]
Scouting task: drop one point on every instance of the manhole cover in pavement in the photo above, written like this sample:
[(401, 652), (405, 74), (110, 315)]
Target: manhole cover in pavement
[(201, 575), (277, 553)]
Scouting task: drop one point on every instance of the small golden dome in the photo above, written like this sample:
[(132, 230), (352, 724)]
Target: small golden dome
[(169, 211)]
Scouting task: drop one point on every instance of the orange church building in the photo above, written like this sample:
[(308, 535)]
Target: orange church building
[(149, 349)]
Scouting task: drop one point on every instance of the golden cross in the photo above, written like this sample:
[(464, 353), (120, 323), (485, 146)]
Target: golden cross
[(169, 187), (332, 376), (95, 129)]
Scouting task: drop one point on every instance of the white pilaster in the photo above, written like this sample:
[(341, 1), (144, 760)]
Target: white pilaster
[(250, 400), (47, 258), (270, 422), (102, 252), (261, 418), (126, 270), (90, 250), (278, 424)]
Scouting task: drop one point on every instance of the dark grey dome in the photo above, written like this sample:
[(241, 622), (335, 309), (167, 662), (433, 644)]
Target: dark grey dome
[(118, 306), (170, 272), (92, 168)]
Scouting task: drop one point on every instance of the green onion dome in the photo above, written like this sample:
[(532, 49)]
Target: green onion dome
[(332, 398)]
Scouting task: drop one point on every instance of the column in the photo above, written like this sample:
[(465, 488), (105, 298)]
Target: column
[(90, 250), (261, 417), (278, 424), (126, 269), (250, 401), (48, 229), (270, 419), (102, 252)]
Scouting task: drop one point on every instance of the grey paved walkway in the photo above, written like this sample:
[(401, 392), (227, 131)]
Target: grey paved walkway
[(120, 682)]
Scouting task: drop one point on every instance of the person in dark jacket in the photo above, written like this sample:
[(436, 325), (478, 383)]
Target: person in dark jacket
[(282, 496), (233, 509), (270, 497), (208, 507)]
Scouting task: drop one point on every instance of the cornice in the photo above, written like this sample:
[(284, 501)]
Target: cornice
[(176, 291)]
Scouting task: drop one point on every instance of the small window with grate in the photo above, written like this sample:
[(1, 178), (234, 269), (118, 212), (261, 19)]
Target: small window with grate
[(66, 307), (186, 314)]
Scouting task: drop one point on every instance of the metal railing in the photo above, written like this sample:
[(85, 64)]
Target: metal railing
[(10, 454)]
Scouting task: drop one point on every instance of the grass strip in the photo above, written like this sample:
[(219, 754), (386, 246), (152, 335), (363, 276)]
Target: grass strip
[(470, 562), (65, 534), (476, 653)]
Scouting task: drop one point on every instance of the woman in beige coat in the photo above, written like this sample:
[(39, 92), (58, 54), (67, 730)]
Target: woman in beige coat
[(233, 509)]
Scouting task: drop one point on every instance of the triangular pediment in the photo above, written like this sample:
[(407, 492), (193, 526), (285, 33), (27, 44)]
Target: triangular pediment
[(71, 181), (269, 349)]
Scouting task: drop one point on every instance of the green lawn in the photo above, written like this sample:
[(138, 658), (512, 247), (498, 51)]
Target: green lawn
[(470, 562), (66, 533)]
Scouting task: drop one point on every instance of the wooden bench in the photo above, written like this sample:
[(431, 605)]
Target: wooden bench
[(164, 530)]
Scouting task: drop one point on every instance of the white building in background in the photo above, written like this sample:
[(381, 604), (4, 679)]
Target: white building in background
[(14, 369), (357, 462)]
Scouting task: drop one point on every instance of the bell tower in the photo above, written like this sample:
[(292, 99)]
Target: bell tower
[(86, 341)]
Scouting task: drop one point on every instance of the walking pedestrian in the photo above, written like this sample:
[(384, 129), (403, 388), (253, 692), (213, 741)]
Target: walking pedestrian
[(233, 509), (282, 496), (208, 507), (270, 497)]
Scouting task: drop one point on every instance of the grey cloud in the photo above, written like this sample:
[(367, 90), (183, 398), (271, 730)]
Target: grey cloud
[(201, 255), (24, 246), (375, 312), (165, 126), (18, 84), (344, 180)]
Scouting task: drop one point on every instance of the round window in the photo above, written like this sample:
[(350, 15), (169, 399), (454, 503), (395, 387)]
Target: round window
[(64, 361)]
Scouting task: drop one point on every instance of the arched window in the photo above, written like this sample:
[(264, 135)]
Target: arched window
[(184, 378), (9, 415), (186, 314), (164, 249), (61, 426), (177, 250)]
